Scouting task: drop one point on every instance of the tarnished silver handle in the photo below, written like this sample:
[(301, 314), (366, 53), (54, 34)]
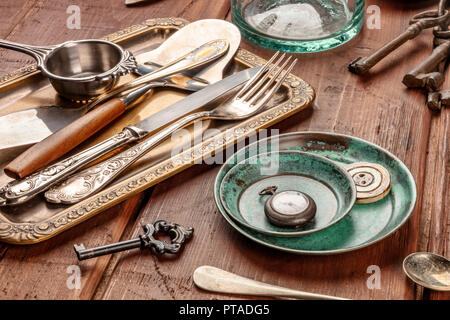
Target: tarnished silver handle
[(218, 280), (202, 55), (20, 191), (86, 182), (127, 64), (37, 52)]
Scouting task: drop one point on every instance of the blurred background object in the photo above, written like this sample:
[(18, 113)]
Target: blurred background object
[(298, 25)]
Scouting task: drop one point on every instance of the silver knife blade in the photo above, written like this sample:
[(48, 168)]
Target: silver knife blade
[(195, 101), (38, 123)]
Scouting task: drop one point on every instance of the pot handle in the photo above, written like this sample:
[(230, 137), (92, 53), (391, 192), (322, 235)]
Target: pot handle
[(127, 65), (37, 52)]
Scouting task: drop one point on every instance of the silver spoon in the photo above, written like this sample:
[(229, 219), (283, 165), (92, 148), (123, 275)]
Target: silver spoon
[(429, 270), (218, 280)]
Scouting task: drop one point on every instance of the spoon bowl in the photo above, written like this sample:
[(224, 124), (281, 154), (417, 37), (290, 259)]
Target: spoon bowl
[(429, 270)]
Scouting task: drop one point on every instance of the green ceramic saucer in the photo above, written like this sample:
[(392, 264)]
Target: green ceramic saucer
[(365, 224), (328, 184)]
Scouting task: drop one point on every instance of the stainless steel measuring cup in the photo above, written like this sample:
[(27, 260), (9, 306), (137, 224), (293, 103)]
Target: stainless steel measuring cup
[(79, 70)]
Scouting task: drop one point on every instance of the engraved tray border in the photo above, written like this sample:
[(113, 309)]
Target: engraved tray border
[(301, 95)]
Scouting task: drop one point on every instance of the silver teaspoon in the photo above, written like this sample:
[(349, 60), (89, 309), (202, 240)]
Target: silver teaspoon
[(429, 270)]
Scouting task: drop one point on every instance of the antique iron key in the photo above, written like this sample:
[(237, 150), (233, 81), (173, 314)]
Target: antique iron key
[(178, 235), (421, 21), (438, 99), (429, 74)]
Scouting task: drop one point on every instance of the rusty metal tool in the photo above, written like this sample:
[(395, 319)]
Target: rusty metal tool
[(420, 22), (430, 73), (178, 236), (438, 99)]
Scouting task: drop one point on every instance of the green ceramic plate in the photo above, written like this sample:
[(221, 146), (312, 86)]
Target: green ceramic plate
[(328, 184), (365, 224)]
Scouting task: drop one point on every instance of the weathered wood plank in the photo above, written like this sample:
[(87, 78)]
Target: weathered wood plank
[(11, 13)]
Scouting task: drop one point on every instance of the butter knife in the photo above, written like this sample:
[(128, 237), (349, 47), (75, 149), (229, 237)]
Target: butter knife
[(20, 191)]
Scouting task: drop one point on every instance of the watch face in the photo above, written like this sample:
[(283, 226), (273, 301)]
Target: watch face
[(290, 208), (289, 203)]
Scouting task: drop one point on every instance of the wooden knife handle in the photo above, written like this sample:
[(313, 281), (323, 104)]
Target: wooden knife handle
[(65, 139)]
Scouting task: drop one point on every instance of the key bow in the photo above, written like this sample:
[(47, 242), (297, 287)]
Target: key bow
[(177, 233), (430, 18)]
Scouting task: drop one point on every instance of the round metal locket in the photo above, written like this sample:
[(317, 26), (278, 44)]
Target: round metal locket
[(288, 208)]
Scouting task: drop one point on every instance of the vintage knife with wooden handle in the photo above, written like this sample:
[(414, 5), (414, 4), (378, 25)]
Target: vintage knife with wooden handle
[(67, 138), (20, 191)]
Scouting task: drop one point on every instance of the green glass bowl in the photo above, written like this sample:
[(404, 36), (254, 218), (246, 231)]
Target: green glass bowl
[(329, 185), (301, 26), (366, 224)]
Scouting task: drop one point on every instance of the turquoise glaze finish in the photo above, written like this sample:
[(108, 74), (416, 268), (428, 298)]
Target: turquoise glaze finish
[(329, 185), (273, 42), (365, 224)]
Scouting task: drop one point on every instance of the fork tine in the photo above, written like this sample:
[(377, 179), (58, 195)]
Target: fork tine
[(257, 75), (269, 83), (276, 86), (256, 85)]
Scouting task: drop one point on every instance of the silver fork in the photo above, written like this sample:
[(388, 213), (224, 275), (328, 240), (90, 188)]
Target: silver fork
[(250, 100)]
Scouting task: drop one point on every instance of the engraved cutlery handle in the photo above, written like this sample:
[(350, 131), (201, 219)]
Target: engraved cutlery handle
[(90, 180), (217, 280), (19, 191), (37, 52)]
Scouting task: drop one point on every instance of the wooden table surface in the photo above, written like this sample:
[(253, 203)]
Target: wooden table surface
[(377, 108)]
